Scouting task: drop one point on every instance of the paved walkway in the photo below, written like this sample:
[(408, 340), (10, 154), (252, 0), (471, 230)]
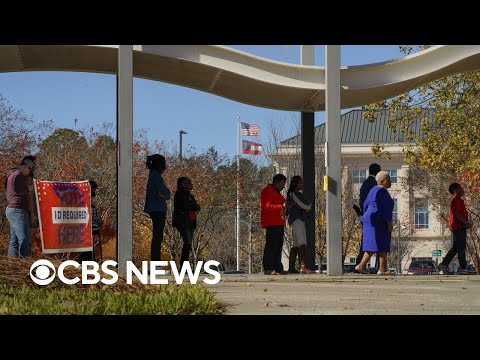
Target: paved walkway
[(349, 294)]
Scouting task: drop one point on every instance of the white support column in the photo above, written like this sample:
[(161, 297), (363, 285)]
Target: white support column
[(333, 160), (238, 193), (306, 54), (124, 156)]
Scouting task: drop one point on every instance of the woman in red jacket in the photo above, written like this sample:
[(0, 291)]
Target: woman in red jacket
[(272, 206)]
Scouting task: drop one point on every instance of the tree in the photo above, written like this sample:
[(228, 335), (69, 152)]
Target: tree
[(18, 137), (448, 145)]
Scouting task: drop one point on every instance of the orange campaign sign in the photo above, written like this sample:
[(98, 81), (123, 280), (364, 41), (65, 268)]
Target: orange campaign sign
[(64, 213)]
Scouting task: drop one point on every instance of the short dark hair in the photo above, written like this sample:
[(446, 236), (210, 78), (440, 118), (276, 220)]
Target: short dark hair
[(374, 169), (28, 157), (182, 182), (277, 178), (453, 187)]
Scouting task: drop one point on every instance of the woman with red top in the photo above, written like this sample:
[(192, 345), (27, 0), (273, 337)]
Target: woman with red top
[(459, 224), (272, 206)]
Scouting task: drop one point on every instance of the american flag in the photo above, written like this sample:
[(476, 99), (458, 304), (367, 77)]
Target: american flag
[(250, 129), (251, 148)]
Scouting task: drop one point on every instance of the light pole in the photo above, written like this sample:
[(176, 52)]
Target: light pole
[(181, 132)]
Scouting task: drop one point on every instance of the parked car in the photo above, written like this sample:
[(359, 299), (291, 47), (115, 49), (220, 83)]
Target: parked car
[(233, 272), (322, 270), (392, 270), (423, 267), (348, 268)]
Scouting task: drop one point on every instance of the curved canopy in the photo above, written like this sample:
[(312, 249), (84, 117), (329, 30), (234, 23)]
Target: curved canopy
[(249, 79)]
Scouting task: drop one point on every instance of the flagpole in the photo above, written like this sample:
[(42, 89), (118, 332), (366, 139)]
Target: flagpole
[(238, 193)]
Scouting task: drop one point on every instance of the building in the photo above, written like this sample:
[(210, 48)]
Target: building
[(419, 225)]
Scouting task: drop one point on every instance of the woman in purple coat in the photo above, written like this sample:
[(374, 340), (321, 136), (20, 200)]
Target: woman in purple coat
[(377, 224)]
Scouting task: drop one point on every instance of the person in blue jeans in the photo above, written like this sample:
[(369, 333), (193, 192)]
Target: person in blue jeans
[(156, 202), (17, 209)]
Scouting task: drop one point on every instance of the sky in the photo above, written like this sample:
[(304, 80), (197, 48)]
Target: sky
[(163, 109)]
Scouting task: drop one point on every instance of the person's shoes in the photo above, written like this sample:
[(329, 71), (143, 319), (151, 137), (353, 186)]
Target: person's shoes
[(464, 271), (385, 273), (359, 270), (270, 272), (444, 268), (305, 270), (293, 271), (283, 272)]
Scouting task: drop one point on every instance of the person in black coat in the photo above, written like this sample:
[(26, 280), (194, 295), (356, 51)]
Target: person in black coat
[(184, 217)]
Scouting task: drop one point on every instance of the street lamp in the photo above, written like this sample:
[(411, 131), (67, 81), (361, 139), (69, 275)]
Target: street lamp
[(181, 132)]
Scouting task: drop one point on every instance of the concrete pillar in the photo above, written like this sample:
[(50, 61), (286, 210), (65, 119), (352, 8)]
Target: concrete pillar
[(124, 156), (333, 159), (308, 161)]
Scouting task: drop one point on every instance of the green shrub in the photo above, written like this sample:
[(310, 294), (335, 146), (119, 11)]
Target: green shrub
[(164, 300)]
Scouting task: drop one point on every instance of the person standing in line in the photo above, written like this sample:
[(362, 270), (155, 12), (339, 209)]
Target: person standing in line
[(459, 223), (377, 224), (272, 215), (367, 185), (297, 215), (184, 217), (156, 202), (16, 212), (29, 160)]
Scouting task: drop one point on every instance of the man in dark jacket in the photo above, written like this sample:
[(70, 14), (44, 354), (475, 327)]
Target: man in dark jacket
[(367, 185)]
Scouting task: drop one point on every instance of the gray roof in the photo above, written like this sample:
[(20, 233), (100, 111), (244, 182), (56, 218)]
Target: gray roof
[(358, 130)]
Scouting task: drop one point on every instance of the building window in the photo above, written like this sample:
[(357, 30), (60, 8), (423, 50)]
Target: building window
[(421, 214), (393, 176), (359, 176), (395, 211)]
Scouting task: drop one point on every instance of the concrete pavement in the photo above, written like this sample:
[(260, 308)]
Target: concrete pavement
[(349, 294)]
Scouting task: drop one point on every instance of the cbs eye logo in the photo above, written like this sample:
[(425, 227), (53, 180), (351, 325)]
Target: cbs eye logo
[(40, 272)]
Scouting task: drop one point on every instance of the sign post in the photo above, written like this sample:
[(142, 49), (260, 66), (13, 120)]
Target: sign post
[(64, 213), (436, 253)]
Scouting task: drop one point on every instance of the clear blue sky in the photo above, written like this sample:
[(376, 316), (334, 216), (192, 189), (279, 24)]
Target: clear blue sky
[(162, 108)]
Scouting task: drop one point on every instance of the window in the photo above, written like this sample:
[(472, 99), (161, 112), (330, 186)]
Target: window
[(395, 211), (421, 214), (359, 176), (393, 175)]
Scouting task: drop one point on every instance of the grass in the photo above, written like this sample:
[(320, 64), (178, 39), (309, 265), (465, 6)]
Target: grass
[(19, 295), (167, 300)]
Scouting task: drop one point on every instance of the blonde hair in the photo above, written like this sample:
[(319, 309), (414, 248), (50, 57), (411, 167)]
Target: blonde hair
[(382, 175)]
